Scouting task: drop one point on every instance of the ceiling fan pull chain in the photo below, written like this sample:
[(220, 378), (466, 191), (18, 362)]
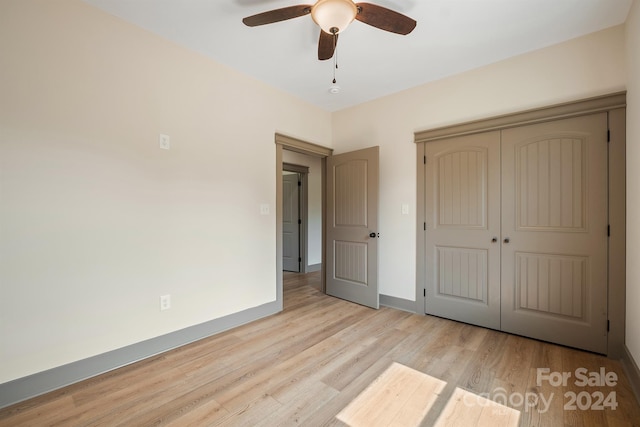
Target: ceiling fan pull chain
[(335, 47), (335, 56)]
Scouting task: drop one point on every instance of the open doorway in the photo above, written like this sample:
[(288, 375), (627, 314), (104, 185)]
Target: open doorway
[(302, 190), (294, 217), (291, 151)]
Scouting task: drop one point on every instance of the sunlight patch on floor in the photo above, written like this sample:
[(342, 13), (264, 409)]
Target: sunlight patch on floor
[(468, 409), (400, 396)]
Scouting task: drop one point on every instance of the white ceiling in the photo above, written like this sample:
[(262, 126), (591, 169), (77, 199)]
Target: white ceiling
[(452, 36)]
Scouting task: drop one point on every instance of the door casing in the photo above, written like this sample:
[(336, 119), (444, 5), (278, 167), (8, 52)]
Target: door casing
[(284, 142)]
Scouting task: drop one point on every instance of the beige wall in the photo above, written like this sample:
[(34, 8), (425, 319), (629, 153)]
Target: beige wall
[(580, 68), (632, 338), (96, 221)]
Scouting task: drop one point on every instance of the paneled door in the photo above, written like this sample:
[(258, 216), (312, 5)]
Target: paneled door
[(516, 230), (291, 222), (554, 231), (463, 229), (352, 226)]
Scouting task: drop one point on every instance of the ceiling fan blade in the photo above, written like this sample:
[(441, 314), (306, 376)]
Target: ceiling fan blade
[(326, 45), (277, 15), (385, 19)]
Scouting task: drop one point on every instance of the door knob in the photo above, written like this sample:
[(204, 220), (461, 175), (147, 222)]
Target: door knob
[(372, 234), (495, 239), (506, 240)]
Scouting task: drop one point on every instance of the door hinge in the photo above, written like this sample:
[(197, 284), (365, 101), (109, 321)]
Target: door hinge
[(425, 226), (608, 135), (299, 222), (608, 230), (424, 292), (608, 325), (299, 183), (425, 160), (299, 259)]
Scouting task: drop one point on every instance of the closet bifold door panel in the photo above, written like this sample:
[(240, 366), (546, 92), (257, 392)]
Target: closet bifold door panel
[(462, 198), (554, 231), (516, 226)]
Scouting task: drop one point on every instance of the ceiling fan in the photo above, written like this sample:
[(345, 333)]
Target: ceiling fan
[(333, 16)]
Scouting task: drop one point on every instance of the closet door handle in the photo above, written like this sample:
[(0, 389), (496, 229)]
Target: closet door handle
[(495, 239), (506, 240)]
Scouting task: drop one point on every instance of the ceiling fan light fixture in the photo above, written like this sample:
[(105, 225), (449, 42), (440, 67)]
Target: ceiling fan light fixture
[(329, 14)]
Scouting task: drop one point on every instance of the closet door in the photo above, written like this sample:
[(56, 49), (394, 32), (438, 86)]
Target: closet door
[(554, 231), (462, 186)]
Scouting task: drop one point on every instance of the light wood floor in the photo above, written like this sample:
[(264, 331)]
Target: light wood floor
[(324, 361)]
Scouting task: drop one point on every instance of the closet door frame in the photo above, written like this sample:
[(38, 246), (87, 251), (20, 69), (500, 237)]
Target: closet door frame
[(615, 105)]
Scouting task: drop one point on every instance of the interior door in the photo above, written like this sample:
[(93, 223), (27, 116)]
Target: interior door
[(352, 226), (554, 231), (463, 228), (290, 222)]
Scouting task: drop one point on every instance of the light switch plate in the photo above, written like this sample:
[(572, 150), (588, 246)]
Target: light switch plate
[(264, 209), (164, 141), (405, 209)]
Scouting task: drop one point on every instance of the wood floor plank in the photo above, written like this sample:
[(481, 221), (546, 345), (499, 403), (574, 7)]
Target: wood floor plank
[(325, 361), (304, 366), (515, 362), (481, 370), (207, 414), (294, 413), (259, 379), (45, 413), (252, 413), (352, 368)]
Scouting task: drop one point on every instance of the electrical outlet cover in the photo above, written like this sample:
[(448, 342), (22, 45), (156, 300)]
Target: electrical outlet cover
[(165, 302)]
